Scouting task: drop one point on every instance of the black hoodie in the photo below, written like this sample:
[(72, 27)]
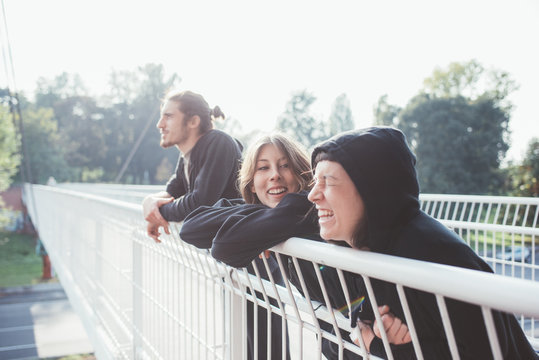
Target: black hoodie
[(237, 233), (382, 167)]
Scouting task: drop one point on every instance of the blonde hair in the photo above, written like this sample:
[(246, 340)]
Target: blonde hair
[(296, 155)]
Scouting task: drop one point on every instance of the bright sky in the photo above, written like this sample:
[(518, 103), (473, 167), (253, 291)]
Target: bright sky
[(249, 56)]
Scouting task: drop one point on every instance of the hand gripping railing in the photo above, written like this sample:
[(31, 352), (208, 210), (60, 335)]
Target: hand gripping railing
[(142, 300)]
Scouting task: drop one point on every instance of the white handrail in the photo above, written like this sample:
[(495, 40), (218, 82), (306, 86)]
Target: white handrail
[(476, 287), (139, 299)]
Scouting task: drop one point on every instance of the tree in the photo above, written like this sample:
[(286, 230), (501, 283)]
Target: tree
[(97, 137), (386, 114), (459, 145), (472, 81), (297, 122), (523, 179), (79, 124), (81, 127), (44, 148), (531, 164), (9, 149), (136, 119), (341, 116), (9, 157), (458, 128), (65, 85)]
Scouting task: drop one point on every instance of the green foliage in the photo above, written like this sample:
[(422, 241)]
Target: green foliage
[(341, 116), (61, 87), (80, 128), (73, 357), (9, 157), (458, 128), (386, 114), (9, 154), (531, 165), (523, 179), (297, 121), (128, 118), (45, 150), (457, 125), (94, 138), (459, 145), (19, 264), (472, 81), (459, 79)]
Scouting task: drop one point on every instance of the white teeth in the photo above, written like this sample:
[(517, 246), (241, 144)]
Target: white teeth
[(325, 213), (276, 191)]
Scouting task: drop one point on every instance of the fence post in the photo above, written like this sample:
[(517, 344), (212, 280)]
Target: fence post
[(237, 330), (138, 344)]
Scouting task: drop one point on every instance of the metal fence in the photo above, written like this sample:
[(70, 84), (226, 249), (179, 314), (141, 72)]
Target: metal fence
[(142, 300), (501, 229)]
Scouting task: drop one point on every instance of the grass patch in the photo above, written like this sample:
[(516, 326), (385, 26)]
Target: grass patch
[(498, 239), (19, 264), (73, 357)]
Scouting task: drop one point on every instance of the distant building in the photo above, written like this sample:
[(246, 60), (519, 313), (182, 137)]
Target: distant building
[(14, 210)]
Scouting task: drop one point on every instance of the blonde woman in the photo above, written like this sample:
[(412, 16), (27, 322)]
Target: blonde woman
[(274, 179)]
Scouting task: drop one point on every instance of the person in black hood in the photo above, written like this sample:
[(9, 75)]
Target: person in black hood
[(367, 195)]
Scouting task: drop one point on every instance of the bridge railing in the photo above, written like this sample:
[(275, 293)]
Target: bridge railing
[(138, 299), (501, 229)]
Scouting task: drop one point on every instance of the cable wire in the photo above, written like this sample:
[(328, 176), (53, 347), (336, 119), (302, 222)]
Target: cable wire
[(15, 109)]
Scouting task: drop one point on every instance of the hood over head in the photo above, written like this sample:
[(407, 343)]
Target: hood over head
[(382, 167)]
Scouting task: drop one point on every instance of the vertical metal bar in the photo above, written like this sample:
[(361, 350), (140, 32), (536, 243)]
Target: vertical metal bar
[(410, 322), (440, 208), (485, 232), (294, 306), (138, 310), (268, 310), (330, 306), (491, 331), (374, 305), (311, 310), (349, 305), (237, 322), (448, 209), (281, 307), (345, 290), (447, 327)]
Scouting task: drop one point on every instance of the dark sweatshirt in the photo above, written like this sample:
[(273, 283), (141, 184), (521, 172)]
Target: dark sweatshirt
[(225, 229), (237, 233), (213, 169), (382, 167)]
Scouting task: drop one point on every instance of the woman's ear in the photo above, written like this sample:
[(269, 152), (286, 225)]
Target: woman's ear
[(252, 187)]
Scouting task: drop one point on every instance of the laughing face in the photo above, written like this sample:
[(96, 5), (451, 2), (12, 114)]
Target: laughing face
[(273, 177), (340, 207)]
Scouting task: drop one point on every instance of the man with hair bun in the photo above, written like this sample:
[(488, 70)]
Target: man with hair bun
[(207, 167)]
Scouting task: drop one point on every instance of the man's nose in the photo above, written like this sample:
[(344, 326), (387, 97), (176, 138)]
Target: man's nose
[(159, 124)]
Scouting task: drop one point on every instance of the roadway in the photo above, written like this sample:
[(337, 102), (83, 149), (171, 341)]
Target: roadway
[(38, 322)]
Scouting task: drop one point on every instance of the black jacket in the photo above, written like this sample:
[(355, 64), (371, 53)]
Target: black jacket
[(213, 169), (382, 167), (237, 233)]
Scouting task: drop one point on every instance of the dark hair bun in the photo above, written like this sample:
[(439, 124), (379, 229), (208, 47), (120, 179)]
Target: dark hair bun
[(217, 113)]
